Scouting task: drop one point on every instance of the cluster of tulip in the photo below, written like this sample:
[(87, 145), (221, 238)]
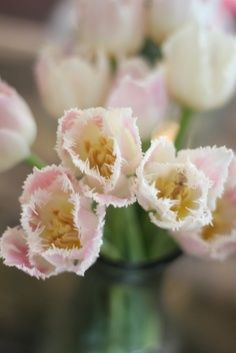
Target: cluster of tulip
[(111, 157), (191, 47)]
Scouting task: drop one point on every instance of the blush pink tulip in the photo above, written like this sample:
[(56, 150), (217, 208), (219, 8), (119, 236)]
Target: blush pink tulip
[(218, 239), (60, 231), (180, 192), (116, 26), (102, 147), (230, 5), (143, 90), (17, 127)]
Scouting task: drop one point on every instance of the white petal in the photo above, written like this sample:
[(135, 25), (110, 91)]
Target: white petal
[(214, 163)]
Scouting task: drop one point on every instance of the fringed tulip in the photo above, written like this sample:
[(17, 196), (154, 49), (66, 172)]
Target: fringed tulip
[(103, 148), (71, 77), (180, 191), (60, 230), (201, 67), (218, 239), (17, 128), (116, 26), (143, 90)]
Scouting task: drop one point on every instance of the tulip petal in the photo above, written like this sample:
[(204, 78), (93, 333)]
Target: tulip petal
[(13, 149), (15, 114), (214, 162), (147, 96), (15, 252)]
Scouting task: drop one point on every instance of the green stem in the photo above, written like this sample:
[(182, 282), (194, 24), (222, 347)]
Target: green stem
[(184, 125), (133, 235), (109, 250), (34, 161)]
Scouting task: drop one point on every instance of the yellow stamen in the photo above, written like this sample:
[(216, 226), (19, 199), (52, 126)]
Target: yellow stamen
[(96, 148), (174, 187), (100, 155), (59, 229), (223, 221)]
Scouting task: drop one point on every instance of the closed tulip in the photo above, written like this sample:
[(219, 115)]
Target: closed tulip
[(201, 67), (117, 26), (17, 127), (143, 90), (167, 17), (71, 77)]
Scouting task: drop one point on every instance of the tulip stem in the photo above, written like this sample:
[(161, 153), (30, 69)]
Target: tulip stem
[(34, 161), (133, 236), (183, 128), (109, 250)]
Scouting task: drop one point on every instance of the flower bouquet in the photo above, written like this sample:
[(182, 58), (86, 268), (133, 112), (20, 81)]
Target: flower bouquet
[(126, 186)]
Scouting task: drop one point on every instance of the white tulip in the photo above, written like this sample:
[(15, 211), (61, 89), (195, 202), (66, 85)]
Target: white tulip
[(167, 16), (201, 67), (71, 77)]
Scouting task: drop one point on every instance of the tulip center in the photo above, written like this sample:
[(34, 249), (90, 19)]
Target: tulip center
[(100, 155), (96, 148), (59, 229), (174, 187), (223, 221)]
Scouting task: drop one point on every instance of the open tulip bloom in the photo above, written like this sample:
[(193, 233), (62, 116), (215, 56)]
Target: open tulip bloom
[(125, 187), (189, 193)]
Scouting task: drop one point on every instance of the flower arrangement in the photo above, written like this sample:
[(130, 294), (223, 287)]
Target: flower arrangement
[(125, 97)]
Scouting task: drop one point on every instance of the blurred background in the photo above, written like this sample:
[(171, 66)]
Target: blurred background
[(199, 296)]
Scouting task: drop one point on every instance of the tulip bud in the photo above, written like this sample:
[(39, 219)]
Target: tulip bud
[(17, 127), (167, 17), (71, 77), (201, 67), (143, 90), (113, 25)]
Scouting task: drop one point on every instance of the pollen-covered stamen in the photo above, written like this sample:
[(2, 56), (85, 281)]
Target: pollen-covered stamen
[(174, 186), (59, 229), (100, 155), (223, 221)]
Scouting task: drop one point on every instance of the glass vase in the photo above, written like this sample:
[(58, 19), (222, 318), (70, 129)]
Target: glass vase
[(116, 308)]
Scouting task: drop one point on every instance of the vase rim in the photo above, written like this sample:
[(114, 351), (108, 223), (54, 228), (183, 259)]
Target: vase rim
[(144, 265)]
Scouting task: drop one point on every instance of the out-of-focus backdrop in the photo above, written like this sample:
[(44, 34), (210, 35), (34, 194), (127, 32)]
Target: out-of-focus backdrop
[(200, 297)]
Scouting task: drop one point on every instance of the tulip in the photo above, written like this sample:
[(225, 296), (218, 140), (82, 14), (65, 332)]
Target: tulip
[(71, 77), (102, 148), (60, 231), (167, 17), (115, 26), (218, 239), (230, 5), (17, 127), (179, 192), (201, 67), (143, 90)]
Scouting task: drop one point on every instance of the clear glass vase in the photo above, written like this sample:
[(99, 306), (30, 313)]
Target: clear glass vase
[(116, 308)]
